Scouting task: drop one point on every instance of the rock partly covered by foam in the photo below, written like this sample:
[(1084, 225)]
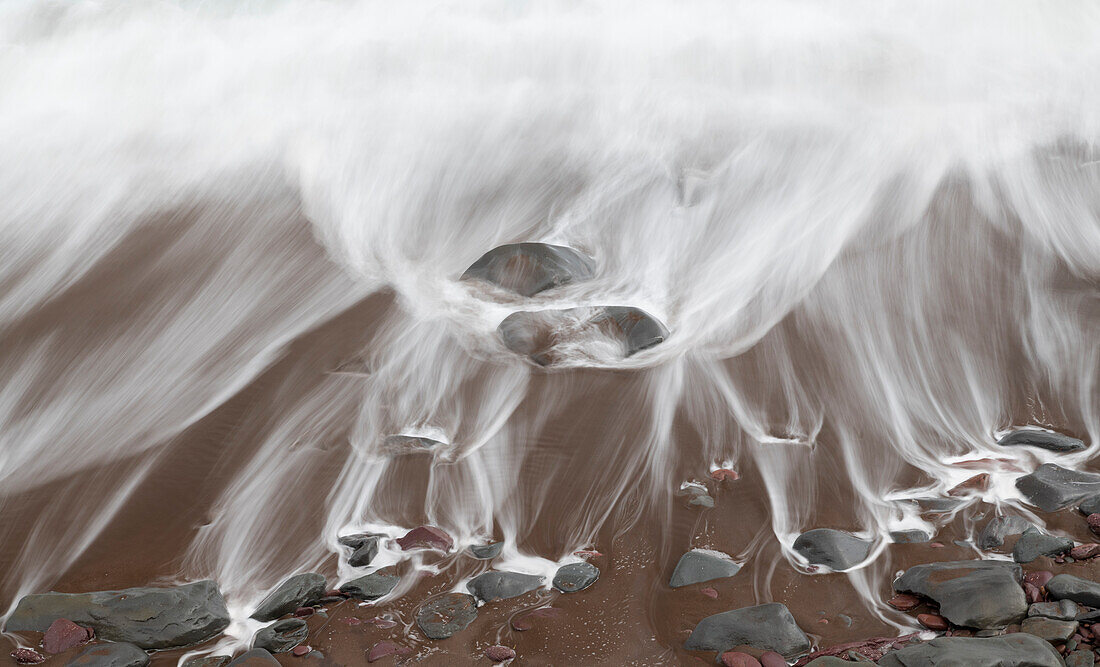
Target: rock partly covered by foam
[(110, 655), (1033, 544), (575, 577), (150, 617), (767, 626), (486, 551), (530, 268), (372, 586), (257, 657), (502, 585), (546, 336), (1052, 487), (699, 565), (1055, 442), (1017, 650), (976, 594), (835, 549), (446, 615), (400, 445), (426, 537), (282, 636), (994, 533), (364, 547), (297, 591), (911, 536), (1069, 587)]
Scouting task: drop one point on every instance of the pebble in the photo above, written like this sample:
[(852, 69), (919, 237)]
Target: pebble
[(1039, 578), (1048, 628), (772, 659), (385, 648), (28, 656), (722, 474), (1080, 659), (1085, 551), (499, 653), (352, 620), (303, 612), (904, 602), (932, 621), (710, 593), (1032, 593), (738, 659), (1094, 523), (63, 635), (936, 545), (301, 650), (426, 537)]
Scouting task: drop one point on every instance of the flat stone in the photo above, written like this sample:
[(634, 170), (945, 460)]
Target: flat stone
[(530, 268), (575, 577), (364, 547), (386, 648), (208, 661), (486, 551), (994, 533), (1090, 505), (446, 615), (372, 586), (1080, 658), (1052, 487), (502, 585), (282, 636), (151, 618), (1062, 610), (1034, 544), (297, 591), (1055, 442), (834, 549), (499, 653), (63, 635), (768, 626), (426, 537), (120, 654), (909, 536), (699, 565), (1049, 629), (402, 445), (1069, 587), (974, 594), (257, 657), (1016, 650)]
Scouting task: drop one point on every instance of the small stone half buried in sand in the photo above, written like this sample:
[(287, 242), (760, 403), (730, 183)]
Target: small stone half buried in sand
[(699, 565), (446, 615), (575, 577), (491, 586), (547, 337), (835, 549), (297, 591), (1049, 440), (767, 626), (530, 268)]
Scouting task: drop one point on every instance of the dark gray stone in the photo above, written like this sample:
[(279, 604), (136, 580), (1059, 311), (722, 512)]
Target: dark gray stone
[(282, 636), (834, 549), (372, 586), (1069, 587), (257, 657), (1049, 629), (1034, 544), (909, 536), (298, 591), (530, 268), (1062, 610), (364, 547), (1052, 487), (974, 593), (208, 661), (540, 335), (1090, 505), (446, 615), (767, 626), (151, 618), (502, 585), (638, 329), (939, 505), (1082, 658), (575, 577), (1055, 442), (1000, 527), (699, 565), (1016, 650), (110, 655), (486, 551)]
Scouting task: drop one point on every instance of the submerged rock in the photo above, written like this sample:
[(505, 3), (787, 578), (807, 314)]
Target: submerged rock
[(386, 648), (834, 549), (1069, 587), (699, 565), (547, 336), (372, 586), (976, 594), (1052, 487), (208, 661), (282, 636), (575, 577), (502, 585), (297, 591), (1000, 527), (767, 626), (530, 268), (110, 655), (364, 547), (1016, 650), (486, 551), (257, 657), (1090, 505), (446, 615), (426, 537), (151, 618), (1055, 442), (1033, 544)]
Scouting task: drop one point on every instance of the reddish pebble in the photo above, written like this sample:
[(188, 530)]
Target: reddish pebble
[(351, 620), (823, 621), (722, 474), (384, 648), (300, 650), (27, 656), (303, 612), (499, 653), (63, 635), (738, 659), (1085, 551), (979, 483), (426, 537), (936, 545), (932, 621), (1094, 523), (710, 593), (1032, 593), (334, 593), (772, 659), (904, 602), (1038, 579)]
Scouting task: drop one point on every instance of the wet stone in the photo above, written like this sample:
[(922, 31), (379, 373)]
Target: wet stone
[(300, 650), (486, 551), (1062, 610), (502, 585), (110, 655), (767, 626), (364, 547), (909, 536), (699, 565), (932, 621), (575, 577), (499, 653), (833, 661), (1016, 650), (772, 659), (63, 635), (1033, 544), (208, 661), (1054, 442), (994, 533), (372, 586), (27, 656), (1069, 587), (426, 537), (543, 336), (257, 657), (386, 648), (976, 594), (904, 602), (282, 636), (446, 615), (1085, 551), (1090, 505), (1080, 659), (530, 268), (299, 590), (1052, 487), (738, 659), (1049, 629), (834, 549)]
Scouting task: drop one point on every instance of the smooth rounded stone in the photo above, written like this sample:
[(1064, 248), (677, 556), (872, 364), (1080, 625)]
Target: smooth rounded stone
[(909, 536), (208, 661), (364, 547), (500, 653), (738, 659), (699, 565), (530, 268), (994, 533), (766, 626), (110, 655), (426, 537), (63, 635), (973, 594), (638, 329), (1016, 650), (1090, 505), (297, 591), (932, 621), (1049, 629), (502, 585), (835, 549), (1062, 610), (1055, 442), (257, 657), (149, 617), (772, 659), (545, 336), (446, 615), (1081, 658), (1052, 487), (282, 636), (1069, 587), (486, 551), (372, 586), (575, 577), (1034, 544)]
